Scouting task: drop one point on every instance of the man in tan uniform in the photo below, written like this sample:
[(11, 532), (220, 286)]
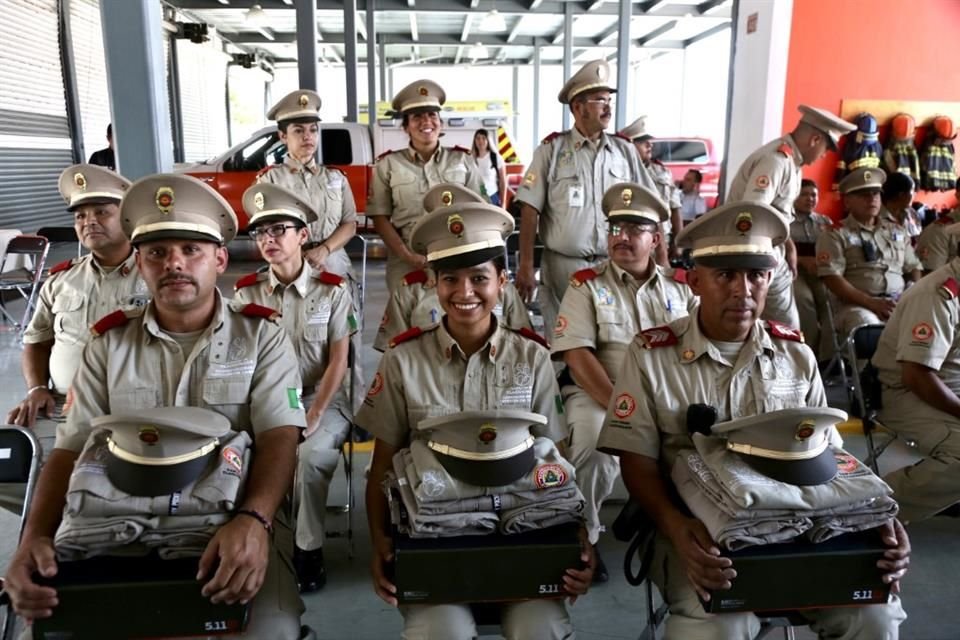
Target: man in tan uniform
[(317, 313), (188, 347), (808, 291), (602, 310), (771, 175), (920, 371), (642, 141), (402, 177), (561, 192), (76, 293), (864, 261), (725, 356), (415, 302), (936, 247)]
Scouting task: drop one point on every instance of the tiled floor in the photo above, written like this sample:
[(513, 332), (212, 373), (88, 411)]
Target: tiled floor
[(348, 608)]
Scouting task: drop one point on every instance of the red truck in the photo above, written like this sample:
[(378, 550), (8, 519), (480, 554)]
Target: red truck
[(682, 154)]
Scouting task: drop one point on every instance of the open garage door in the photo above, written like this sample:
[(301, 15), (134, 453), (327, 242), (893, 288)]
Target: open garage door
[(90, 73)]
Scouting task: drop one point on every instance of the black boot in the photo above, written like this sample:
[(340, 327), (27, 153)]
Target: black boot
[(311, 574), (600, 573)]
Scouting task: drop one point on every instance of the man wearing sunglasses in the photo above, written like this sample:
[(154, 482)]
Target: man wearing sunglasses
[(561, 192), (602, 310)]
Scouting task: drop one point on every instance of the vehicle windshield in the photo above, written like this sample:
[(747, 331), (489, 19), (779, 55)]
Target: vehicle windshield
[(694, 151)]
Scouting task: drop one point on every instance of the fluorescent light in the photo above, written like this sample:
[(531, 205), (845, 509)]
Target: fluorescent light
[(478, 51), (255, 16), (493, 22)]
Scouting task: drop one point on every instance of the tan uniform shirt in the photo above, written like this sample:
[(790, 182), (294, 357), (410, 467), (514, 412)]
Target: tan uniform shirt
[(841, 253), (606, 313), (73, 299), (647, 414), (770, 175), (429, 376), (401, 178), (936, 247), (566, 181), (328, 191), (314, 314), (910, 224), (241, 367), (666, 187), (417, 305), (925, 329)]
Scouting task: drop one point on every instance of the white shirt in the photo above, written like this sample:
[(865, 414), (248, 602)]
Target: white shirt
[(488, 174), (691, 206)]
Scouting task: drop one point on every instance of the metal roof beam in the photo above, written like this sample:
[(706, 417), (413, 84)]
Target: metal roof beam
[(656, 33), (451, 40), (706, 34), (516, 30)]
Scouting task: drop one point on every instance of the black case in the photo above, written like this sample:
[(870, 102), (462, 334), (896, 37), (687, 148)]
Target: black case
[(486, 568), (113, 597), (803, 575)]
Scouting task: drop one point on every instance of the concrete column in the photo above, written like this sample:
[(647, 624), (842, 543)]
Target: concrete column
[(135, 75), (623, 63), (350, 57), (307, 37), (536, 95), (567, 55), (371, 65)]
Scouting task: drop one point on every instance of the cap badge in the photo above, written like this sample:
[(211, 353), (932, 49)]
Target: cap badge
[(627, 196), (804, 430), (258, 200), (304, 101), (487, 433), (744, 221), (447, 198), (423, 91), (688, 354), (149, 435), (80, 180), (866, 176), (602, 72), (165, 199), (455, 224)]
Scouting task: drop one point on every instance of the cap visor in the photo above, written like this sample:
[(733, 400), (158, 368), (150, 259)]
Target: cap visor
[(468, 259), (818, 470), (738, 261), (96, 200), (152, 481), (492, 473), (174, 234), (423, 109)]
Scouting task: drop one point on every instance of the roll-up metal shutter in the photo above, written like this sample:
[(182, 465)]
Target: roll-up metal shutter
[(34, 135), (203, 76), (90, 73)]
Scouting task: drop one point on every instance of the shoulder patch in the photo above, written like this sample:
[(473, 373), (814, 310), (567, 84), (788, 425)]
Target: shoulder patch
[(457, 147), (384, 154), (680, 275), (659, 337), (409, 334), (530, 334), (950, 289), (622, 137), (786, 150), (583, 276), (246, 281), (259, 311), (110, 321), (553, 136), (415, 277), (783, 331), (267, 169), (330, 278), (62, 266)]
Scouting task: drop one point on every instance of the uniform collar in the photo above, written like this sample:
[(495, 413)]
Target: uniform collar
[(493, 346), (154, 329), (415, 158), (579, 140), (301, 282), (693, 344), (797, 156), (855, 225), (123, 269), (626, 278), (296, 166)]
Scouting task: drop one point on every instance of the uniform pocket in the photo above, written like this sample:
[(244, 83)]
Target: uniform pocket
[(226, 391), (456, 175), (133, 399), (69, 322), (613, 325)]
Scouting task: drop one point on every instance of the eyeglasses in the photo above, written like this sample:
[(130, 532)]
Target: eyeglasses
[(274, 231), (632, 230), (602, 101)]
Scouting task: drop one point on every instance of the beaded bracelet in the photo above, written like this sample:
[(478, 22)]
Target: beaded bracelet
[(256, 515)]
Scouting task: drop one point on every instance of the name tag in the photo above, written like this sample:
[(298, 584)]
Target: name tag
[(575, 196), (239, 368), (518, 395), (319, 317)]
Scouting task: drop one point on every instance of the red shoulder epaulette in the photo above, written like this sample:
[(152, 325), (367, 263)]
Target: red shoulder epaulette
[(409, 334), (620, 135), (680, 275), (944, 219), (457, 147), (582, 276), (657, 162), (330, 278), (951, 288), (786, 332), (415, 277), (263, 171), (110, 321), (246, 281), (786, 150), (62, 266), (530, 334), (259, 311), (384, 154), (551, 137), (659, 337)]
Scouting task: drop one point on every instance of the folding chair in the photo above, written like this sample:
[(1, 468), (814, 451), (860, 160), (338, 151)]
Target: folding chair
[(358, 244), (24, 280), (346, 453), (836, 361), (19, 464), (865, 403), (62, 234)]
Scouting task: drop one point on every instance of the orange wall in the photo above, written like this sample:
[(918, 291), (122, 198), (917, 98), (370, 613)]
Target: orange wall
[(872, 50)]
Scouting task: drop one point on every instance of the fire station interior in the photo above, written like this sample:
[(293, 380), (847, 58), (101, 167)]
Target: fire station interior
[(186, 85)]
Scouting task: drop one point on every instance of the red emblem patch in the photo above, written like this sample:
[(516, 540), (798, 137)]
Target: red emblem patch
[(624, 406), (846, 463), (763, 182), (549, 475), (922, 332), (561, 326), (376, 386), (233, 458), (823, 257)]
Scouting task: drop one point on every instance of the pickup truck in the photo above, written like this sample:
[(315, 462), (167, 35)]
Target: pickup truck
[(682, 154)]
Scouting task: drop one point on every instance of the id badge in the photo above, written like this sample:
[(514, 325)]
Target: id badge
[(575, 196)]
